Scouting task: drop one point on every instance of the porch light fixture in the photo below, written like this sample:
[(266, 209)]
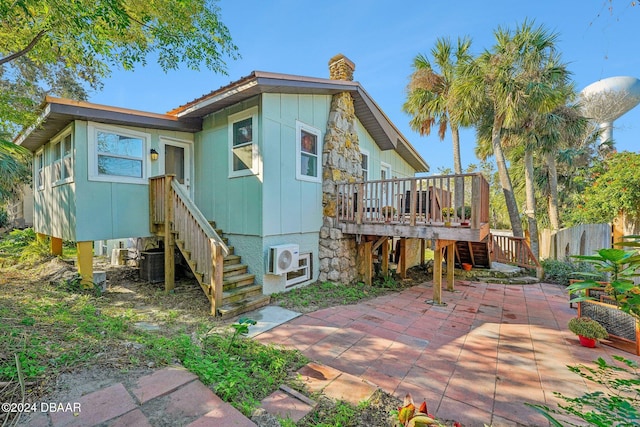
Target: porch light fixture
[(154, 154)]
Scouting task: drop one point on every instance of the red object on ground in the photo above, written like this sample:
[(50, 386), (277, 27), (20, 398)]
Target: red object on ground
[(587, 342)]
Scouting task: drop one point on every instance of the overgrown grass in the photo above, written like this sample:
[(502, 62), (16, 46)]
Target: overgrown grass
[(327, 294), (561, 272)]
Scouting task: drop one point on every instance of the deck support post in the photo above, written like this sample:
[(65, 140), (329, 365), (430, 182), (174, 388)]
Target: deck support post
[(384, 262), (365, 262), (85, 263), (169, 252), (55, 246), (450, 261), (402, 261), (41, 238), (438, 257)]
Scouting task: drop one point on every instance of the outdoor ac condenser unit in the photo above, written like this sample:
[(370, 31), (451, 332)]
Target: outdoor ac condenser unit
[(283, 258)]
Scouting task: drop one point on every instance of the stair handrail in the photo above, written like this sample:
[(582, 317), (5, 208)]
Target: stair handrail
[(513, 250), (199, 217)]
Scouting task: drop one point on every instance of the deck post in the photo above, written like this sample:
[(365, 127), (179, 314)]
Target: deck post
[(437, 274), (402, 261), (384, 262), (414, 203), (55, 246), (365, 262), (169, 253), (85, 263), (450, 261)]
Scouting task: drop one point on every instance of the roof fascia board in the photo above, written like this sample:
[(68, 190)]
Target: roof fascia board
[(41, 118)]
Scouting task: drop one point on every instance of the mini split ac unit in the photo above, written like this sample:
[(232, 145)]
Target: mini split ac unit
[(283, 258)]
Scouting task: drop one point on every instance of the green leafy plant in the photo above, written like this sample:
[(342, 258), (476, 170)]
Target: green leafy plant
[(388, 212), (561, 272), (619, 406), (621, 266), (588, 328), (241, 328)]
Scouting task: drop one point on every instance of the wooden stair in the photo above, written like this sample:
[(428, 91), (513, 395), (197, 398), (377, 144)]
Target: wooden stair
[(474, 253), (226, 282)]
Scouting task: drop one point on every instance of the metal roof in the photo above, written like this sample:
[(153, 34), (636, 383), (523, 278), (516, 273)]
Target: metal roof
[(59, 112), (383, 131)]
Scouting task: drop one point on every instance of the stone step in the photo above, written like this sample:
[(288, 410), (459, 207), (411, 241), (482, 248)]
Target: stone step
[(521, 280)]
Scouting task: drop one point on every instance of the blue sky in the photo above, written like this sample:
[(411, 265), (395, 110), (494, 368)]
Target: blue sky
[(382, 38)]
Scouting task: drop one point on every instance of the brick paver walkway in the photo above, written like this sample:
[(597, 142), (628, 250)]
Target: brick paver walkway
[(476, 360)]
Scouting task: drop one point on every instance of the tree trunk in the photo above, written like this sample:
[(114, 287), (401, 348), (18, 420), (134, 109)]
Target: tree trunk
[(531, 203), (457, 169), (455, 139), (505, 180), (553, 190)]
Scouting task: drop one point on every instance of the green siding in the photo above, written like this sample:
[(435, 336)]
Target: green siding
[(290, 205), (86, 210), (399, 167), (234, 203)]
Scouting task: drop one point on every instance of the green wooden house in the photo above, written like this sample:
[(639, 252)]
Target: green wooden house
[(245, 180)]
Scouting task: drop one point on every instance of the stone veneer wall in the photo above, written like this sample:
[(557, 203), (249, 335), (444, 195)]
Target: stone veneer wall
[(341, 162)]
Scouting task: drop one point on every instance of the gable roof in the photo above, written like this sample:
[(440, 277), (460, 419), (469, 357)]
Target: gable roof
[(374, 120), (57, 113)]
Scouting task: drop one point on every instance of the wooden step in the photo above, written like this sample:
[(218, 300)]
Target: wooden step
[(241, 293), (238, 280), (237, 308), (233, 270), (232, 259)]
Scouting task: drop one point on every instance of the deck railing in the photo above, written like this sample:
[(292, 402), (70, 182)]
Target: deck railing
[(169, 203), (456, 200), (513, 250)]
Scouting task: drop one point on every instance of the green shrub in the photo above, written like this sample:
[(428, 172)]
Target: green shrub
[(561, 272), (4, 217)]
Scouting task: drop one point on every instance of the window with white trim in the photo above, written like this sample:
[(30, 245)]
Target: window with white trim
[(61, 158), (117, 155), (302, 274), (308, 153), (365, 164), (243, 143), (38, 163)]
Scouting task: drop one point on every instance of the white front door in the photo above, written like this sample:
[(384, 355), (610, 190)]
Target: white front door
[(177, 161)]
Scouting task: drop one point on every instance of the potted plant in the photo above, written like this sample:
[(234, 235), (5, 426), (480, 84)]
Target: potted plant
[(589, 331), (388, 212)]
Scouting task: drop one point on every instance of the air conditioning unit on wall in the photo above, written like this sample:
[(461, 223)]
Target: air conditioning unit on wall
[(283, 258)]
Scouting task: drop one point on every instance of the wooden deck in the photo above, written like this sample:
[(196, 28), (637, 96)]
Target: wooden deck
[(444, 209), (451, 207)]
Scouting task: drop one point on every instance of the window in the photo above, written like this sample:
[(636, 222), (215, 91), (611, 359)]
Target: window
[(302, 274), (307, 153), (39, 170), (365, 164), (62, 150), (117, 155), (243, 142)]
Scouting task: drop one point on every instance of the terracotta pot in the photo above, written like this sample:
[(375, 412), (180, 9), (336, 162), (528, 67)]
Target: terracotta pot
[(466, 267), (587, 342)]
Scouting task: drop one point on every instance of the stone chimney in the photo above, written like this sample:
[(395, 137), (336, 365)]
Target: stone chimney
[(341, 68), (341, 162)]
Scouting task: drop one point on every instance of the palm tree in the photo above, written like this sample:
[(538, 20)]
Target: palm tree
[(14, 169), (429, 100), (516, 77)]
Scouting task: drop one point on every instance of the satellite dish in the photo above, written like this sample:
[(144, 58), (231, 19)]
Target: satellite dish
[(606, 100)]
